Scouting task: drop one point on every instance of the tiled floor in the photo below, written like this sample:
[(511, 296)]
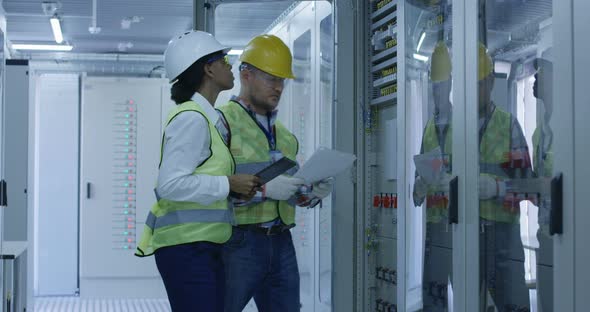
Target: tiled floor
[(75, 304)]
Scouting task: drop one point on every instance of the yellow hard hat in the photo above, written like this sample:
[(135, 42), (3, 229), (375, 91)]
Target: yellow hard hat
[(269, 54), (440, 66), (485, 66)]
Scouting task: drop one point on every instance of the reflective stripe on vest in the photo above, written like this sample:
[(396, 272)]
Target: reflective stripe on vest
[(172, 223), (251, 151), (187, 216)]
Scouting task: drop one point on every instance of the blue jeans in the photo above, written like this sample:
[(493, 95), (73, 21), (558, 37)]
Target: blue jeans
[(500, 275), (263, 267), (193, 276)]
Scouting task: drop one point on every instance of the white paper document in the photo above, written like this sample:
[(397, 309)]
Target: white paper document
[(431, 166), (324, 163)]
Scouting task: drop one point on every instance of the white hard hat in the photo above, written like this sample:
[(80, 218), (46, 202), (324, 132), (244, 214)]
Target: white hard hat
[(187, 48)]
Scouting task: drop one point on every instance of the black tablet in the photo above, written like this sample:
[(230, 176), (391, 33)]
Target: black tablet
[(276, 169)]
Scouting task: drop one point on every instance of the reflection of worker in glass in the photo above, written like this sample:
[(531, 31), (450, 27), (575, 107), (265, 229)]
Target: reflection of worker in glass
[(437, 134), (543, 167), (436, 148), (503, 156)]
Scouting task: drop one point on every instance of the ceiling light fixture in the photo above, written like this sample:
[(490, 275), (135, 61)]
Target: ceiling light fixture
[(94, 29), (56, 27), (421, 41), (124, 46), (127, 21), (42, 47), (421, 57)]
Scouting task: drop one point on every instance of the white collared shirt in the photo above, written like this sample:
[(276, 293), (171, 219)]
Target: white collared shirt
[(186, 145)]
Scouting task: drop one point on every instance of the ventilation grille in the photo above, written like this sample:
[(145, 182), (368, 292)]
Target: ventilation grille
[(75, 304)]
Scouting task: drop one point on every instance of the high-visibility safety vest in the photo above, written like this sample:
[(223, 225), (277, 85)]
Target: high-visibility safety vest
[(172, 223), (543, 160), (494, 155), (437, 202), (251, 151)]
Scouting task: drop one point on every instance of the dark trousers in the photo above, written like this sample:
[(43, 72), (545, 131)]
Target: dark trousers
[(501, 274), (263, 267), (193, 275), (438, 266)]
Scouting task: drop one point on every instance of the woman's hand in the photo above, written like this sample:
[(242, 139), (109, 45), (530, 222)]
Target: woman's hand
[(244, 184)]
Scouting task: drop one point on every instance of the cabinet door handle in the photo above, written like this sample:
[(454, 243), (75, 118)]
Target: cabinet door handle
[(88, 190), (3, 193), (454, 201), (556, 221)]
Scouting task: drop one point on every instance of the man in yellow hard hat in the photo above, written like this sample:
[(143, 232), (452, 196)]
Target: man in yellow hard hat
[(437, 134), (260, 259), (433, 191), (503, 156)]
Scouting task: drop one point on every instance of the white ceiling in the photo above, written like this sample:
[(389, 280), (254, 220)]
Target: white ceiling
[(512, 26), (235, 23), (159, 21)]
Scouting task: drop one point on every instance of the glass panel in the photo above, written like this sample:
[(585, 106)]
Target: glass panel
[(2, 148), (325, 212), (515, 154), (380, 165), (301, 93), (428, 95)]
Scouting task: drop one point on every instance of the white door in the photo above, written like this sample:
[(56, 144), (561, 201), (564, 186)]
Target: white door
[(324, 26), (306, 110), (121, 133), (3, 189), (56, 191), (518, 134), (299, 99), (429, 115), (581, 213)]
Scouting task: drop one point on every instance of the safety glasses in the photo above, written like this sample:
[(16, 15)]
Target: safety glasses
[(270, 80), (217, 57)]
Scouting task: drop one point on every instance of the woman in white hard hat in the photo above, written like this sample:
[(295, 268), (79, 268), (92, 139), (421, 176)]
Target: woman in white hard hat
[(192, 217)]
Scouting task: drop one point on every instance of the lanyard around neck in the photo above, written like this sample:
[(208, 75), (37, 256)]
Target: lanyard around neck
[(270, 134)]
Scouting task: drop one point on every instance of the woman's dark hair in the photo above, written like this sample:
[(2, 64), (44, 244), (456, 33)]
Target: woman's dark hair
[(190, 80)]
